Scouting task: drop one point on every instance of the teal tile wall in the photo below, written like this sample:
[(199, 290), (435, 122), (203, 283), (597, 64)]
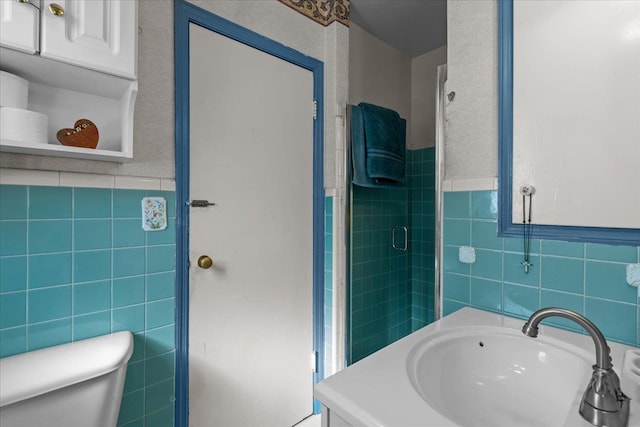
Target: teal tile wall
[(584, 277), (75, 263), (380, 305), (421, 183), (328, 283), (392, 292)]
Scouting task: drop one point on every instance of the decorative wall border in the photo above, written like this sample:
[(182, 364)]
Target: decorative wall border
[(323, 12)]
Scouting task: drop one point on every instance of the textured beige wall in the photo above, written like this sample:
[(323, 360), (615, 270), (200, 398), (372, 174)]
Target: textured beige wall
[(424, 83), (471, 148), (153, 150), (379, 74), (154, 113), (153, 120)]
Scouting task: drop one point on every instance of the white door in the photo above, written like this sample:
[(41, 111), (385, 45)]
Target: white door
[(19, 25), (250, 323), (96, 34)]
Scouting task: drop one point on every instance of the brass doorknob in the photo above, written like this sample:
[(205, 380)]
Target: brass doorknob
[(204, 261), (56, 9)]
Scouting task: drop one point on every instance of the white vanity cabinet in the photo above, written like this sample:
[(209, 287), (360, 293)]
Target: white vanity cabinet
[(96, 34), (20, 25), (80, 59), (330, 418)]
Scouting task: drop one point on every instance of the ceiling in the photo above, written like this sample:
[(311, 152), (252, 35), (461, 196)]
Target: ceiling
[(413, 27)]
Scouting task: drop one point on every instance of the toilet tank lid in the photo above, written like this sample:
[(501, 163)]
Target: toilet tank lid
[(31, 374)]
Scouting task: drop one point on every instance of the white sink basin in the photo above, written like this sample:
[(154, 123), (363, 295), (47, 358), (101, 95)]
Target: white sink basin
[(499, 377), (471, 369)]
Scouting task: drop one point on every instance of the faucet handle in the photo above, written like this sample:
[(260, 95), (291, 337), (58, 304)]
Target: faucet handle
[(603, 398)]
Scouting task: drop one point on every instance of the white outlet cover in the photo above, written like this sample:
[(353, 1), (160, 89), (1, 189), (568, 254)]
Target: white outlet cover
[(467, 254)]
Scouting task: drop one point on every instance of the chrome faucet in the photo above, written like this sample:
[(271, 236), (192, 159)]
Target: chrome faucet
[(603, 402)]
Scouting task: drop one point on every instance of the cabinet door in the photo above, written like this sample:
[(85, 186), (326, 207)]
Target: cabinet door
[(97, 34), (19, 25)]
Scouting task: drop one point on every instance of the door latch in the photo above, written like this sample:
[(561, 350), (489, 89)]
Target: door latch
[(200, 203)]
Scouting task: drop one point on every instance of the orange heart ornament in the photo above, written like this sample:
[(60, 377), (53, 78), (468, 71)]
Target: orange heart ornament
[(84, 134)]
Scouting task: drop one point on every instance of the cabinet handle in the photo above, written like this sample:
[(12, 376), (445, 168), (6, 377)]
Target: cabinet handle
[(56, 9), (23, 1)]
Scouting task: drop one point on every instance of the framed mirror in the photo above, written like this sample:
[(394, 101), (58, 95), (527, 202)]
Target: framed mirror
[(569, 111)]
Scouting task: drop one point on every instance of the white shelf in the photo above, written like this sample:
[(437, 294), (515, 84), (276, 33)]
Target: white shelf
[(66, 93), (63, 151)]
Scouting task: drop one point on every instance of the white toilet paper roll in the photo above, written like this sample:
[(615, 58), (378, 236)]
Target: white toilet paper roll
[(23, 126), (14, 91)]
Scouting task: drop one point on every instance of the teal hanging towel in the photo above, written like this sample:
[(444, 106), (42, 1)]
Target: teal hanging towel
[(378, 143)]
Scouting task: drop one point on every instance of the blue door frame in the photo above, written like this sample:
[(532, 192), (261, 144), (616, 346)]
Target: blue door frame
[(185, 14)]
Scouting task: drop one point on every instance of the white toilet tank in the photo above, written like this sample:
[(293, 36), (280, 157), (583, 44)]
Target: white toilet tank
[(78, 384)]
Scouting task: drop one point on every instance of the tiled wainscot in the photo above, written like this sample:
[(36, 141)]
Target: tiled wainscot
[(585, 277), (75, 263)]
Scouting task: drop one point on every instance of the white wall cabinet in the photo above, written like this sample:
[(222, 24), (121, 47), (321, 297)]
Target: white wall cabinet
[(95, 34), (85, 69), (19, 25)]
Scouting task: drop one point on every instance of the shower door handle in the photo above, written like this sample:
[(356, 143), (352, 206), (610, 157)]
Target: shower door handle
[(402, 248)]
